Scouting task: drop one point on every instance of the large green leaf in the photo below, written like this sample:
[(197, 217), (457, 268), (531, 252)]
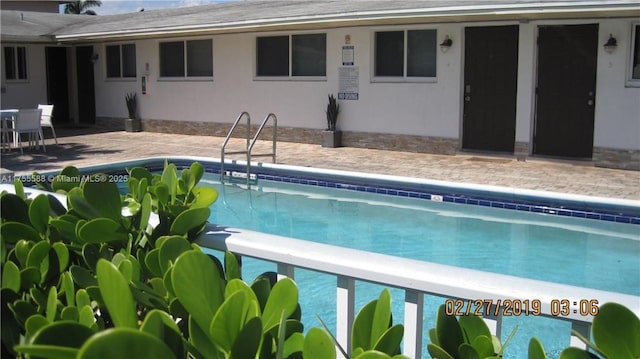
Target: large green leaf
[(484, 346), (576, 353), (381, 318), (11, 277), (68, 179), (232, 266), (361, 331), (230, 319), (283, 298), (14, 209), (104, 196), (473, 326), (198, 285), (190, 219), (201, 341), (63, 333), (372, 354), (80, 205), (62, 252), (100, 230), (82, 276), (39, 213), (466, 351), (448, 331), (616, 331), (161, 325), (116, 295), (318, 344), (22, 249), (52, 304), (124, 343), (437, 352), (536, 351), (12, 232), (389, 342), (248, 342), (197, 171), (48, 351), (170, 249), (205, 197), (35, 323)]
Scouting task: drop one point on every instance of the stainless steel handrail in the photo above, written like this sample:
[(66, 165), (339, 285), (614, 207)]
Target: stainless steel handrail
[(226, 141), (250, 143)]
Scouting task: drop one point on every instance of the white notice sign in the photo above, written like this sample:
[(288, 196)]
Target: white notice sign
[(349, 82)]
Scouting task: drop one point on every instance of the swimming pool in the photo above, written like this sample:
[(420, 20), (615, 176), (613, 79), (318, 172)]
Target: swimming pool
[(455, 215)]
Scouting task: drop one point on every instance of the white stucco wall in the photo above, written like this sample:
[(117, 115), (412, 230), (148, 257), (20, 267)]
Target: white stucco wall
[(26, 93), (617, 118), (424, 108)]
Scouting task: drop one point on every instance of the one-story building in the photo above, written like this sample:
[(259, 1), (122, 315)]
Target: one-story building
[(557, 79)]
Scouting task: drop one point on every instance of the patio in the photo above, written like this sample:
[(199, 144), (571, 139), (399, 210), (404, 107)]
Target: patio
[(90, 146)]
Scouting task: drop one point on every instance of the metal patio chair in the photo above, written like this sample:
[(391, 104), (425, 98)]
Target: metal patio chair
[(45, 119), (28, 122)]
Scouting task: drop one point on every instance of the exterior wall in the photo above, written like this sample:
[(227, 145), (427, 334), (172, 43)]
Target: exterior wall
[(31, 92), (423, 116)]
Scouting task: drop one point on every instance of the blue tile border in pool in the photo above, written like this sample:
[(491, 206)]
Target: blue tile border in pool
[(602, 212), (469, 199)]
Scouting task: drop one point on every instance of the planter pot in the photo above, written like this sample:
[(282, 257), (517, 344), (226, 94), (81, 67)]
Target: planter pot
[(132, 125), (331, 139)]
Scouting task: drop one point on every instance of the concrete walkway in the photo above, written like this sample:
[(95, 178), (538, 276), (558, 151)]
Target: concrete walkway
[(85, 147)]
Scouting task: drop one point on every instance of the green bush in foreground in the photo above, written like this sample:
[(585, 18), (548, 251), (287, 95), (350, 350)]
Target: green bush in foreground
[(116, 275)]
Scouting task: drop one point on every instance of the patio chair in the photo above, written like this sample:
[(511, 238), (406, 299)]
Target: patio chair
[(28, 122), (45, 119)]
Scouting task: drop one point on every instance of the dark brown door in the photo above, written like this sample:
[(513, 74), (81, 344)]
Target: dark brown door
[(86, 91), (566, 90), (490, 82), (57, 89)]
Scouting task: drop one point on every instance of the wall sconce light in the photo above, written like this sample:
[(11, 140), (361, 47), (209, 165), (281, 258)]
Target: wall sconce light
[(94, 58), (446, 44), (611, 44)]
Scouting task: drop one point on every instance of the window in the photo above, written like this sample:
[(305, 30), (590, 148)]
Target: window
[(121, 61), (407, 54), (307, 55), (635, 53), (196, 61), (15, 62)]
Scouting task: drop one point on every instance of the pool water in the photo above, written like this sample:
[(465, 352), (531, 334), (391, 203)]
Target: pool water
[(581, 252)]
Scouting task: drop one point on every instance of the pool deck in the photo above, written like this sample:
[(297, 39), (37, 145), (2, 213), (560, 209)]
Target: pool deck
[(89, 146)]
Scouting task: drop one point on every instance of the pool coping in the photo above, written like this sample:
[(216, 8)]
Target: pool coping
[(525, 200)]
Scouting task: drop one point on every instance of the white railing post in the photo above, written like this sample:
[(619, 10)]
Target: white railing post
[(494, 322), (584, 329), (413, 323), (286, 270), (345, 310)]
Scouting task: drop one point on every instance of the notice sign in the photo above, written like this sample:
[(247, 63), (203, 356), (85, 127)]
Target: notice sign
[(348, 55), (349, 80)]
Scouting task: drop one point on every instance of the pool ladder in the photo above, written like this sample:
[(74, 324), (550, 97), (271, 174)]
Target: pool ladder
[(230, 176)]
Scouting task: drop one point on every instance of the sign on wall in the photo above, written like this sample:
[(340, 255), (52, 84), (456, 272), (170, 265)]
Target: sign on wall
[(348, 83), (348, 55)]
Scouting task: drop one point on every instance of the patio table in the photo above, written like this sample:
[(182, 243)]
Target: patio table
[(8, 116)]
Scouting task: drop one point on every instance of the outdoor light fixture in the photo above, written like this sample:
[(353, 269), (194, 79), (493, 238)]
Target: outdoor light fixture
[(94, 58), (446, 44), (611, 44)]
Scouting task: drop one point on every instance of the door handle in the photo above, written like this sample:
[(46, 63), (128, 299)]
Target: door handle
[(467, 98), (590, 102)]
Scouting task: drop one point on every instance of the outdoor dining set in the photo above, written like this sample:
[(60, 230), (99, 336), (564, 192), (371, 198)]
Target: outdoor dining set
[(27, 122)]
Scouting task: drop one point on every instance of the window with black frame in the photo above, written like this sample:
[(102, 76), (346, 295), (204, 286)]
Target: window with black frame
[(121, 61), (15, 63), (635, 53), (186, 59), (286, 56), (405, 54)]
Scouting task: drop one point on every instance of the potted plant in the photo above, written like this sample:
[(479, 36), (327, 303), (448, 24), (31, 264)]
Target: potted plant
[(332, 137), (132, 124)]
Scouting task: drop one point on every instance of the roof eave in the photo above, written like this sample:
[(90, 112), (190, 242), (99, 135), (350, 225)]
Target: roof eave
[(441, 15)]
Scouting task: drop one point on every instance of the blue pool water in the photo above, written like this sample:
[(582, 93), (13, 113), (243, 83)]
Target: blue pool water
[(581, 252)]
